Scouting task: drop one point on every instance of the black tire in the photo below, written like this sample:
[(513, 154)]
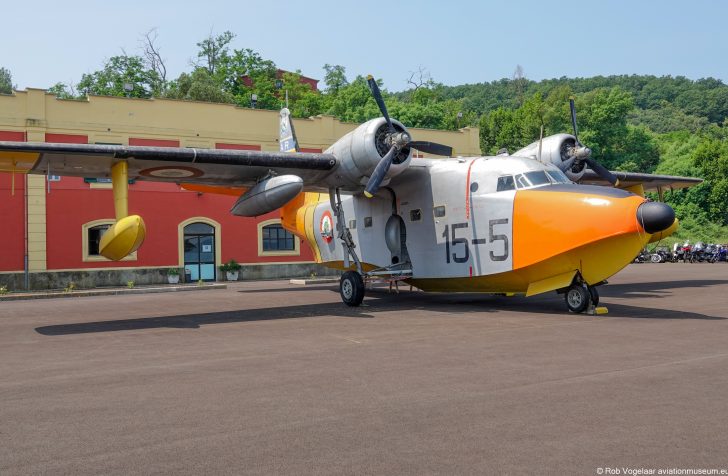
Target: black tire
[(594, 295), (577, 298), (656, 258), (351, 288)]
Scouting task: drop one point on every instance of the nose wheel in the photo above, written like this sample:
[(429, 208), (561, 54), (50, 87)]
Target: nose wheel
[(580, 296), (351, 288)]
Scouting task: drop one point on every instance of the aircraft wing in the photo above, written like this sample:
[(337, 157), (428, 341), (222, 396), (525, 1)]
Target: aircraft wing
[(650, 182), (239, 168)]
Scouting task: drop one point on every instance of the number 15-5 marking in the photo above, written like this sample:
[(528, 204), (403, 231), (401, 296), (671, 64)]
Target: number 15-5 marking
[(452, 241)]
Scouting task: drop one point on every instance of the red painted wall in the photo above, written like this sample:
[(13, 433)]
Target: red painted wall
[(12, 214), (163, 206)]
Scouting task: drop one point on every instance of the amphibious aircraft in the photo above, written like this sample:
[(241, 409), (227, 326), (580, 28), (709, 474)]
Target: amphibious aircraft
[(525, 223)]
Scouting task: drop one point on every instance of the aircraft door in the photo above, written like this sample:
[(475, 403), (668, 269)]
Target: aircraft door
[(395, 235)]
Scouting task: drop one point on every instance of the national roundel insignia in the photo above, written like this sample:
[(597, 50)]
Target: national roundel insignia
[(327, 227)]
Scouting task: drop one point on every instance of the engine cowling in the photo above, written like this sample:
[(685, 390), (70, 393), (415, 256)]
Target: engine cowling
[(359, 152), (555, 149)]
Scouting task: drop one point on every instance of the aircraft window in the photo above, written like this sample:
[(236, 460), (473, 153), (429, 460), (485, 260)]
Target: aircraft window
[(505, 183), (415, 215), (557, 176), (439, 211), (367, 222), (352, 224), (522, 181), (537, 177), (473, 187)]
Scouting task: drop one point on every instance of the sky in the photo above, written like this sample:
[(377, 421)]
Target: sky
[(457, 42)]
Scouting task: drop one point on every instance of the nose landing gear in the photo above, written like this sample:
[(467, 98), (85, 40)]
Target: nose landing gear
[(581, 297)]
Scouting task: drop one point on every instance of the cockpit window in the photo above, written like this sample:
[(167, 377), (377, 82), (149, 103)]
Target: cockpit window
[(505, 183), (522, 181), (557, 176), (537, 177)]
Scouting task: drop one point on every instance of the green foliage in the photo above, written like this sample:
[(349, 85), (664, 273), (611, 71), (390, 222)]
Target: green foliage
[(173, 272), (198, 86), (335, 78), (119, 71), (213, 51), (64, 91), (6, 81), (231, 266)]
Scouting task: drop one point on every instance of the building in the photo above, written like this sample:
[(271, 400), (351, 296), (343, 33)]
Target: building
[(51, 225)]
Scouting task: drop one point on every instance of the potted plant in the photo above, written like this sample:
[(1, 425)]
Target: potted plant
[(173, 275), (231, 270)]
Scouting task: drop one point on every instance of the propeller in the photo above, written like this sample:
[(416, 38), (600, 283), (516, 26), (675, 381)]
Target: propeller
[(580, 153), (397, 141)]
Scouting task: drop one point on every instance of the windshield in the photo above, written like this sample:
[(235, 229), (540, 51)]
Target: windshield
[(557, 176), (534, 178)]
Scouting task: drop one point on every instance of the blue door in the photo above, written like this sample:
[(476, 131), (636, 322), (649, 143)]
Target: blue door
[(199, 248)]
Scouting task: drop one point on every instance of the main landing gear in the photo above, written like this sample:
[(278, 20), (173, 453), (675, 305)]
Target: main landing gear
[(580, 297), (351, 288)]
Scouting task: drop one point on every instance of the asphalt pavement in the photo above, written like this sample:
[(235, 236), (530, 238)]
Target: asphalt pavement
[(272, 378)]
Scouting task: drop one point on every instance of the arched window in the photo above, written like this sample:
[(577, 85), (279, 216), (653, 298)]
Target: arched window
[(274, 240), (91, 234)]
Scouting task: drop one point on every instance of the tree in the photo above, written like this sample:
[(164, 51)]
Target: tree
[(214, 50), (6, 81), (335, 78), (118, 72), (153, 59), (63, 91), (245, 72), (198, 86)]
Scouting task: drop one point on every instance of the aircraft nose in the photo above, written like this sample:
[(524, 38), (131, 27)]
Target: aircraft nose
[(655, 216)]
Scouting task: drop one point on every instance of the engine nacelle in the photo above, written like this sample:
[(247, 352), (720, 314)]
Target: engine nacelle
[(268, 195), (359, 152), (555, 149)]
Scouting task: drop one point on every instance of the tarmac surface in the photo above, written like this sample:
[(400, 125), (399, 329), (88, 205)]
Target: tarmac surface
[(272, 378)]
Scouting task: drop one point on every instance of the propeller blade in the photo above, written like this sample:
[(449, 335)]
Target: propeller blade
[(602, 171), (380, 101), (380, 172), (573, 119), (431, 147), (566, 164)]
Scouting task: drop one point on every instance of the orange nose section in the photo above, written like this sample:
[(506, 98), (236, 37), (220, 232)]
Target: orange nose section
[(551, 221)]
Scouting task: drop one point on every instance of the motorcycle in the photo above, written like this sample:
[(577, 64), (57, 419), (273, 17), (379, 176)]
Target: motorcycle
[(718, 253), (643, 256), (697, 254), (661, 254)]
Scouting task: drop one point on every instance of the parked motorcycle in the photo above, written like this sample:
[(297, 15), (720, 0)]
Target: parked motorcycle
[(661, 254)]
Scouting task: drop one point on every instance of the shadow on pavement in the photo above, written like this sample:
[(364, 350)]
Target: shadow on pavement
[(655, 289), (379, 300)]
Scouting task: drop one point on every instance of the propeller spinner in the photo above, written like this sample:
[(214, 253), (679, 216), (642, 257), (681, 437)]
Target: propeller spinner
[(397, 142)]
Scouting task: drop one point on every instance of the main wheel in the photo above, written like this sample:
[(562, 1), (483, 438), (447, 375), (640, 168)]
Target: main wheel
[(656, 258), (577, 298), (351, 288)]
